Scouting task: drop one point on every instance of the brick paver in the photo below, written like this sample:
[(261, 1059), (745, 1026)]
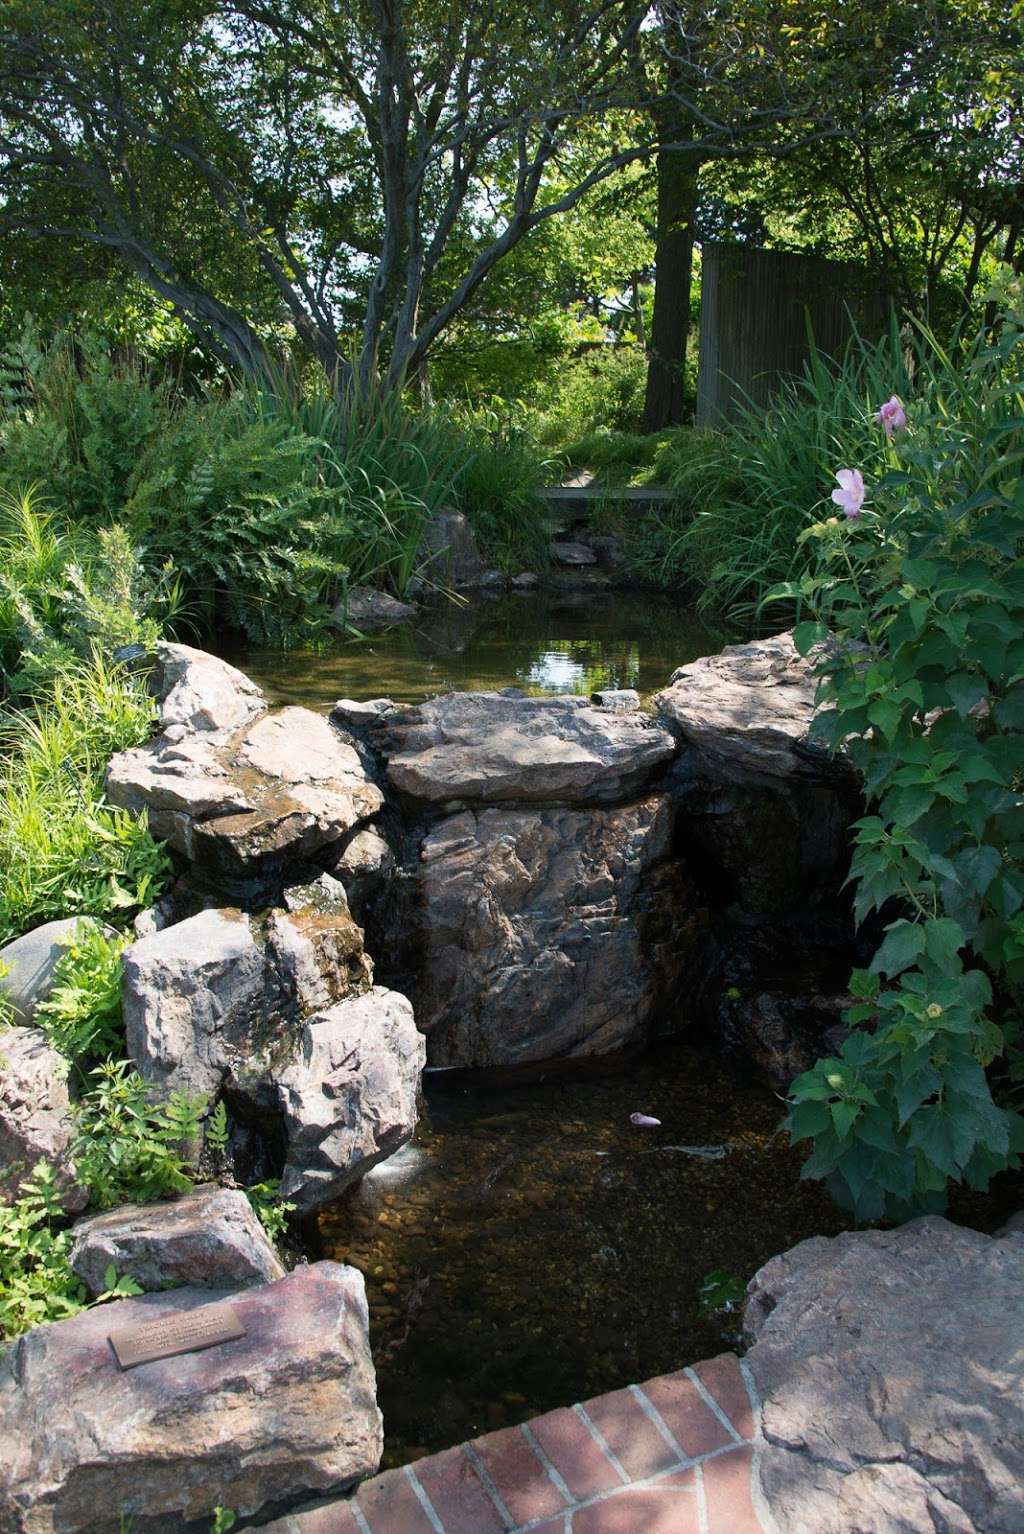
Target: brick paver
[(676, 1455)]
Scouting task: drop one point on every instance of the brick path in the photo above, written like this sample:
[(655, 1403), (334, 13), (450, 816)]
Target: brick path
[(673, 1456)]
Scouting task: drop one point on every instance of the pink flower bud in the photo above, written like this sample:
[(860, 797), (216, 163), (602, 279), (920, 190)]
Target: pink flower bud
[(892, 417)]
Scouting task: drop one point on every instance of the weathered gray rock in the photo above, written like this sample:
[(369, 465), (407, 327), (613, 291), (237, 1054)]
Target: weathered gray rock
[(282, 1413), (622, 700), (771, 812), (348, 1097), (569, 552), (486, 747), (190, 997), (364, 608), (546, 933), (891, 1372), (781, 1033), (27, 962), (242, 805), (449, 553), (200, 691), (35, 1114), (526, 580), (749, 706), (356, 714), (218, 997), (209, 1237), (365, 867)]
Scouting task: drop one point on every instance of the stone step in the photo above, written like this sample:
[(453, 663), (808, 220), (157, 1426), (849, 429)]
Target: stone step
[(673, 1456), (575, 503)]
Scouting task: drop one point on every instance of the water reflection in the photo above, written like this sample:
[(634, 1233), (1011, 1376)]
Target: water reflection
[(543, 642)]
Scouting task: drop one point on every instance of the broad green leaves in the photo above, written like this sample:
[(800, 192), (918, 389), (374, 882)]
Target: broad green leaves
[(925, 692)]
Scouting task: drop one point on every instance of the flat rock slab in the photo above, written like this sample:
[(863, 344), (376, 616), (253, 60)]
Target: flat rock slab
[(750, 706), (549, 932), (483, 747), (891, 1368), (208, 1237), (287, 1410), (242, 804)]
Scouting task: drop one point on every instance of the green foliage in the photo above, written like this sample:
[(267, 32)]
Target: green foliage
[(63, 850), (216, 1134), (269, 1207), (497, 490), (924, 688), (602, 390), (223, 1520), (36, 1280), (81, 1016), (721, 1292), (126, 1146)]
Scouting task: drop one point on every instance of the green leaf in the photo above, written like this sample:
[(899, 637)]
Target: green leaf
[(844, 1115), (902, 946), (807, 635), (943, 939)]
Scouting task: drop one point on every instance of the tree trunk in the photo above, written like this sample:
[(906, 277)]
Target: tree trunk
[(678, 173)]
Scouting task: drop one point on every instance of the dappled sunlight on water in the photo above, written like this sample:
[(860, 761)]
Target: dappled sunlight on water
[(544, 642)]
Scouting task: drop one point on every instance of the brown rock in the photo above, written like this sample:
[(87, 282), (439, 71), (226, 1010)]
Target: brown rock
[(282, 1413), (367, 609), (209, 1237), (891, 1372), (241, 805)]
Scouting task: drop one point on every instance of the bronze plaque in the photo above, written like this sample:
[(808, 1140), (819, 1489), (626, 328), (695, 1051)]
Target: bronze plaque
[(186, 1332)]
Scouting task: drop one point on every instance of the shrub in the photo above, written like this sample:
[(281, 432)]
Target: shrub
[(81, 1016), (36, 1280), (127, 1146), (923, 593)]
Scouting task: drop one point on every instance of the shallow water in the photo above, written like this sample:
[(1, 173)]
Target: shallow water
[(572, 641), (533, 1248)]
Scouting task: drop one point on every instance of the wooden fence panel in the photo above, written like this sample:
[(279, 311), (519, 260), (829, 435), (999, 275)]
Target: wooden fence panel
[(754, 313)]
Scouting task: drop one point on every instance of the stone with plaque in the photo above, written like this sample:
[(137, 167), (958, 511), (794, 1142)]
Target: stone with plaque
[(186, 1333)]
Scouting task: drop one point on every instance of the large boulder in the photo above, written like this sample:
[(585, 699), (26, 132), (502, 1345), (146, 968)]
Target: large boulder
[(35, 1114), (27, 962), (277, 1016), (549, 932), (242, 805), (485, 747), (349, 1096), (284, 1412), (891, 1372), (190, 998), (219, 997), (769, 811), (200, 691), (209, 1237)]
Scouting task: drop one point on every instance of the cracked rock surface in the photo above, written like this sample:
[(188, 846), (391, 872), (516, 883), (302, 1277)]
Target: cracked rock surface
[(890, 1365)]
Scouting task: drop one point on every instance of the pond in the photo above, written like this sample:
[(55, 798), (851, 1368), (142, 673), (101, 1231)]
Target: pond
[(569, 641)]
